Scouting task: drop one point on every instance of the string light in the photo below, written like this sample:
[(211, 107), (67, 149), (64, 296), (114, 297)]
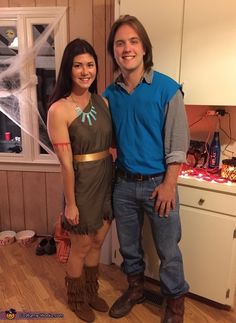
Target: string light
[(201, 174)]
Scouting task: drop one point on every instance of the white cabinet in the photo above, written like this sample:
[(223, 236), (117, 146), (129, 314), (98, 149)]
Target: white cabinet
[(194, 42), (208, 244), (208, 60), (207, 247)]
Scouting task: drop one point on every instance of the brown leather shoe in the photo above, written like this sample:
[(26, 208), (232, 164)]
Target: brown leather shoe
[(174, 310), (133, 295)]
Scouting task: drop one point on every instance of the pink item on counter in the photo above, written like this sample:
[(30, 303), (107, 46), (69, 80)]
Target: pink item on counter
[(7, 136)]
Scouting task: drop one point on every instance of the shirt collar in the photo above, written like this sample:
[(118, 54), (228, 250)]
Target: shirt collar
[(147, 77)]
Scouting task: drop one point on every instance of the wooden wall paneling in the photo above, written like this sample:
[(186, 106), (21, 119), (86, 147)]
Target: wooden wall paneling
[(34, 188), (4, 202), (99, 40), (16, 200), (54, 196), (39, 192), (110, 13), (62, 3), (80, 19), (21, 3), (4, 3), (45, 3)]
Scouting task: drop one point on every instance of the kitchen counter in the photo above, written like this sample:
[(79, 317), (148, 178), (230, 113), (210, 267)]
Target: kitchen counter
[(228, 187)]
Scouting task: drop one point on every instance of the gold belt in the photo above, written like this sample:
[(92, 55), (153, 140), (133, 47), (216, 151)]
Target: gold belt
[(91, 157)]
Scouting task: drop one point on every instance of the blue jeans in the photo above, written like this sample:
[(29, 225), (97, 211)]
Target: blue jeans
[(131, 200)]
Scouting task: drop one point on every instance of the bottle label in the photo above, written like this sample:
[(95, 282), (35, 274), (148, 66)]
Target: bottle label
[(214, 159)]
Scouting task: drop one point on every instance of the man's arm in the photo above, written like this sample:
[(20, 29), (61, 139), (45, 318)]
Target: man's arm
[(176, 145)]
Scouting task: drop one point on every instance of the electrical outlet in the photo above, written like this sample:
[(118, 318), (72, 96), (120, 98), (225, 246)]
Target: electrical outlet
[(211, 113), (217, 112), (220, 112)]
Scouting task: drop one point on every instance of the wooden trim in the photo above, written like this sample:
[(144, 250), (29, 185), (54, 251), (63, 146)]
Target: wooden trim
[(45, 3), (4, 202), (100, 40), (110, 16)]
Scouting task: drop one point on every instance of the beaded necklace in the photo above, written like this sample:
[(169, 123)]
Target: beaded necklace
[(86, 115)]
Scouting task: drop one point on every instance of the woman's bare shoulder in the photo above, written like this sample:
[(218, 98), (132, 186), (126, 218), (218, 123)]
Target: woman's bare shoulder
[(59, 107), (105, 100)]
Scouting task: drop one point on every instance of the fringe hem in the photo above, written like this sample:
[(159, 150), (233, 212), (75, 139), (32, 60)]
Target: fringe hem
[(84, 230)]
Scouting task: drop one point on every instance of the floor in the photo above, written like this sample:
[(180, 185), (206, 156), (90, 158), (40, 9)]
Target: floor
[(33, 285)]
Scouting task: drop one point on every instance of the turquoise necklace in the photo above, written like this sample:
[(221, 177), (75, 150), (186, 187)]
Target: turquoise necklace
[(89, 116)]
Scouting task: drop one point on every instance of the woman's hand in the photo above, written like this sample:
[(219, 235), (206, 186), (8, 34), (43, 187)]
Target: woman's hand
[(72, 214)]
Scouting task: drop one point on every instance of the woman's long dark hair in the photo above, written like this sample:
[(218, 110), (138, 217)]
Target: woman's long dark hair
[(63, 85)]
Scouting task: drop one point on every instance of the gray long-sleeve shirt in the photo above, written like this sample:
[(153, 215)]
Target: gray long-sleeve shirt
[(176, 130)]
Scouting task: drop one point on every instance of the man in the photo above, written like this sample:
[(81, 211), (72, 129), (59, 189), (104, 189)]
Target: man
[(152, 138)]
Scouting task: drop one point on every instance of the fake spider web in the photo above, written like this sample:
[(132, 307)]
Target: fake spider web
[(15, 85)]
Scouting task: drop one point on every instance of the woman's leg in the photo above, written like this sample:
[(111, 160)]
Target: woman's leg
[(80, 247), (75, 279), (91, 270), (93, 256)]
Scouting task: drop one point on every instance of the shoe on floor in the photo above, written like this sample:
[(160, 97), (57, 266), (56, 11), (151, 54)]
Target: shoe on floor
[(40, 250), (50, 247), (46, 246)]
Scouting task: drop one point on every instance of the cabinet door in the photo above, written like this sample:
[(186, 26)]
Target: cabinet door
[(163, 22), (208, 60), (208, 248)]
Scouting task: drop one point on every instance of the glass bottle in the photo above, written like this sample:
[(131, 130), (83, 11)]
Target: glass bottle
[(214, 151)]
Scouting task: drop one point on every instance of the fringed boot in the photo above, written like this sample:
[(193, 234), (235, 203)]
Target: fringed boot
[(77, 300), (92, 285)]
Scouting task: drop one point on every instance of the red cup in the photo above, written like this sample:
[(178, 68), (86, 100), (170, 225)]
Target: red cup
[(7, 136)]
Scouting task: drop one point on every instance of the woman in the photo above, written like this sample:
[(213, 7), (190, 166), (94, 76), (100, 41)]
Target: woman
[(79, 126)]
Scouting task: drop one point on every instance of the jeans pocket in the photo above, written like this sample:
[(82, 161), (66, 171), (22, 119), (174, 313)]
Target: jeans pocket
[(118, 180), (154, 182)]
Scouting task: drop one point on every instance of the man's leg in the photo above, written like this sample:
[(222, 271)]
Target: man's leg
[(166, 233), (129, 223)]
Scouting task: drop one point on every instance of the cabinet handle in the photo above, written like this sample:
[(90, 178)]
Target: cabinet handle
[(201, 201)]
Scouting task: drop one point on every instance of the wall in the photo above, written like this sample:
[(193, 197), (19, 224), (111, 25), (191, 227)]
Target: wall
[(29, 200), (32, 200), (164, 22), (202, 127)]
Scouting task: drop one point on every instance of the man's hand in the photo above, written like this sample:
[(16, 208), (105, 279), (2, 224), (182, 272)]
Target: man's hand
[(165, 193), (165, 198)]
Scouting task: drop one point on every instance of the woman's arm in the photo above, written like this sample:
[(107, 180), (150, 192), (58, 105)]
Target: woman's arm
[(58, 132)]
